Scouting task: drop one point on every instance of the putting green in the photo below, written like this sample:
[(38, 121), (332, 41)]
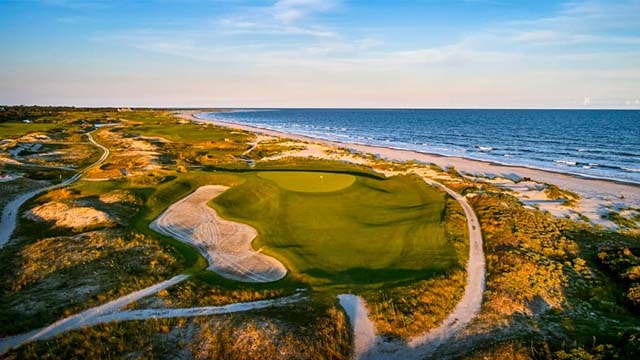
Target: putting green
[(373, 232), (305, 181)]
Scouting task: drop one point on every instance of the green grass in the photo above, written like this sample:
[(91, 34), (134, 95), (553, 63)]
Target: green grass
[(371, 233), (185, 132), (15, 129), (309, 181), (167, 127)]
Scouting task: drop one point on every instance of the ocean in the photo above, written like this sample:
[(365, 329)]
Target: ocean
[(592, 143)]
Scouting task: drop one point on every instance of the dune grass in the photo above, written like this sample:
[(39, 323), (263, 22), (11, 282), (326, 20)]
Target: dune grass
[(371, 233)]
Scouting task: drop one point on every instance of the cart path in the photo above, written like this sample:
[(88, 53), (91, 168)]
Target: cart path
[(367, 345), (9, 218)]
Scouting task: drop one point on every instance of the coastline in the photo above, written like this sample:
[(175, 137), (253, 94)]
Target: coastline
[(583, 185), (347, 140)]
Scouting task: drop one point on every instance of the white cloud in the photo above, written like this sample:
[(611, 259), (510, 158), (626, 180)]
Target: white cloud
[(552, 60), (289, 11), (284, 17)]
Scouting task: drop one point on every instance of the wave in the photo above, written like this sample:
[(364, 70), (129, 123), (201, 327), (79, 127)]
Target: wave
[(597, 162), (565, 162), (235, 111)]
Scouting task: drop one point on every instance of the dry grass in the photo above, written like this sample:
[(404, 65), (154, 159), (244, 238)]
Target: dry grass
[(52, 277), (195, 292), (411, 310), (323, 334), (304, 331)]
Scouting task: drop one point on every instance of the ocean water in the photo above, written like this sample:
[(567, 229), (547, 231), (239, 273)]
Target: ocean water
[(594, 143)]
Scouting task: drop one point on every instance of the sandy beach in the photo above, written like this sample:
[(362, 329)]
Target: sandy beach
[(598, 196)]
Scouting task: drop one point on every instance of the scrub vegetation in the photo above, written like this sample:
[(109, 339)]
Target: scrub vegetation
[(555, 288), (337, 226)]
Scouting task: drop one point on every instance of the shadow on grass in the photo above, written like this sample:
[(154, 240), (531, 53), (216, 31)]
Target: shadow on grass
[(389, 276)]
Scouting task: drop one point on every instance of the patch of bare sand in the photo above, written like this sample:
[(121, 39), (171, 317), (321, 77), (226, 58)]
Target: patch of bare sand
[(119, 196), (225, 244), (531, 193), (64, 215)]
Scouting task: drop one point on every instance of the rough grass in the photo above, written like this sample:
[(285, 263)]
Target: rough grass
[(367, 233), (57, 276), (415, 308), (301, 331)]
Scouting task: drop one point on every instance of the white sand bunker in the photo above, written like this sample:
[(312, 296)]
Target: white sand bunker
[(225, 244)]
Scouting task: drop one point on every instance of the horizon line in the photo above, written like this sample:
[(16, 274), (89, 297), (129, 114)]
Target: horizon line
[(314, 108)]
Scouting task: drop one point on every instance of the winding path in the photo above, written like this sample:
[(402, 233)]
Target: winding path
[(369, 346), (11, 210), (84, 318), (226, 244), (206, 233), (110, 312)]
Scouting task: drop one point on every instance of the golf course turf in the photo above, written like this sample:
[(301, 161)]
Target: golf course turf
[(342, 230), (303, 181), (332, 230)]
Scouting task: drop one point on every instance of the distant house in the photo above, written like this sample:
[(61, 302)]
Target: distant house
[(124, 109), (26, 121)]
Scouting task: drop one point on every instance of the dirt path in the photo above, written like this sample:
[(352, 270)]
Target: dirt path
[(10, 211), (364, 332), (84, 318), (195, 311), (109, 312), (225, 244), (369, 346)]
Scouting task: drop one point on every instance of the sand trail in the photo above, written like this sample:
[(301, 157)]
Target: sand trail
[(225, 244), (367, 345), (10, 211), (111, 312)]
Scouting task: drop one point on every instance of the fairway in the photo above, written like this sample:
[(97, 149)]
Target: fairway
[(373, 231), (305, 181)]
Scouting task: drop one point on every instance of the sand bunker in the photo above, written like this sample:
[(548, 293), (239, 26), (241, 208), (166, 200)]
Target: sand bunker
[(63, 215), (225, 244)]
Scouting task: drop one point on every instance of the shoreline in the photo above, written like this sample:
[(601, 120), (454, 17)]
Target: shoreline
[(334, 142), (606, 188), (351, 143)]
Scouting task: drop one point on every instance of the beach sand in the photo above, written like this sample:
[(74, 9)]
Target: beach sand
[(598, 196)]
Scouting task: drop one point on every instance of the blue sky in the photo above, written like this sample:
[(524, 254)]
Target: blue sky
[(321, 53)]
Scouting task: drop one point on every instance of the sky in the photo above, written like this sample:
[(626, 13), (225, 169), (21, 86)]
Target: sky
[(321, 53)]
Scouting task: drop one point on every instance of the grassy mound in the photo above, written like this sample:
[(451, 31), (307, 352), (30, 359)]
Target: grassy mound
[(374, 231)]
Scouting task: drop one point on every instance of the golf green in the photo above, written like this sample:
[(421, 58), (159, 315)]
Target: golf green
[(305, 181), (371, 231)]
